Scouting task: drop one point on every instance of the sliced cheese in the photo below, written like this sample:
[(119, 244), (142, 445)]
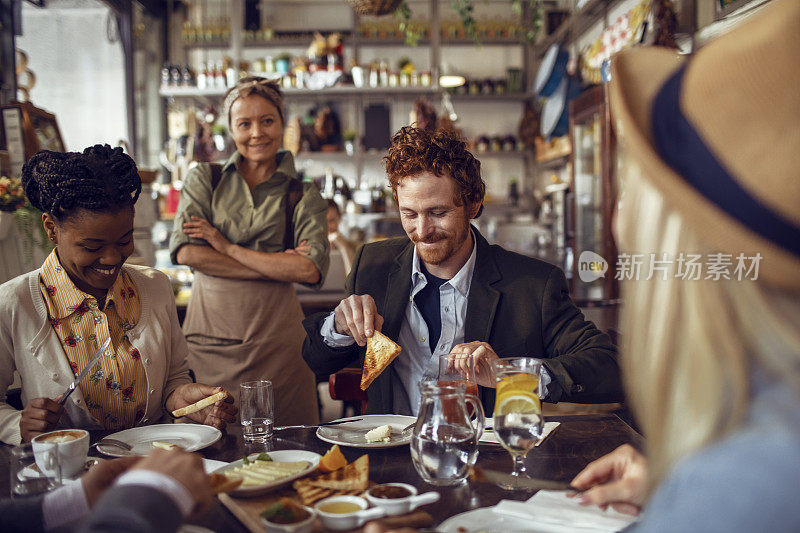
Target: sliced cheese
[(262, 472)]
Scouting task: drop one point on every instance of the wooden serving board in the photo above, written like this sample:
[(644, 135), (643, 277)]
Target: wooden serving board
[(248, 511)]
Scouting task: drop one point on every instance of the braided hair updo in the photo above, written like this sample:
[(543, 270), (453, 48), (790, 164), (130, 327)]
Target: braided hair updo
[(101, 179)]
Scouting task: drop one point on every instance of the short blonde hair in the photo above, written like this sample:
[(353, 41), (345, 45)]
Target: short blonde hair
[(689, 348)]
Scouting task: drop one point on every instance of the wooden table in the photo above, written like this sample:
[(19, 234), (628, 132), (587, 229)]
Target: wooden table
[(573, 444)]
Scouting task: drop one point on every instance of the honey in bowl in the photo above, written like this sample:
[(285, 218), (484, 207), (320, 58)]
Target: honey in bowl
[(340, 507)]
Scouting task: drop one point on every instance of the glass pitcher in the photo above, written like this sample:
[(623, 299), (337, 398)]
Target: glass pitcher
[(444, 443)]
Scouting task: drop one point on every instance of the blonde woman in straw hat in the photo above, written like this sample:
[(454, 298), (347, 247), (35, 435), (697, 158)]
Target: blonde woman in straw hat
[(712, 367), (249, 228)]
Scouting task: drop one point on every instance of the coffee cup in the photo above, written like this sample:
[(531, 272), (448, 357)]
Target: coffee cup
[(65, 449)]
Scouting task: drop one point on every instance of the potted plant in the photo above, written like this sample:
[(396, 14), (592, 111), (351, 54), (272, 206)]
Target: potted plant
[(15, 208), (349, 137), (12, 197), (464, 8)]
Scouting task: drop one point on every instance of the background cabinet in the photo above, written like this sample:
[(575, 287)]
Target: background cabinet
[(593, 191)]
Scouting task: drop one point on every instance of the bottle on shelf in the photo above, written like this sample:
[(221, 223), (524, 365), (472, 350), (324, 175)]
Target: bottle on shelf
[(165, 76), (219, 75), (174, 76), (202, 76), (187, 77)]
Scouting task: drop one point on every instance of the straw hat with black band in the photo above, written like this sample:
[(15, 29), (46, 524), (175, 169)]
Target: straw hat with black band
[(718, 133)]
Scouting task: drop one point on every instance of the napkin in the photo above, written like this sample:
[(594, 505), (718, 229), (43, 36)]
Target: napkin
[(554, 512), (489, 436)]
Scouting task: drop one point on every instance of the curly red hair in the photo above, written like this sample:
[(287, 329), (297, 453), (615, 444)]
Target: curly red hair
[(440, 152)]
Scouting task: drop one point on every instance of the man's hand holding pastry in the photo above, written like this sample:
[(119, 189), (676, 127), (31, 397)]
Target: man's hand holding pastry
[(357, 316)]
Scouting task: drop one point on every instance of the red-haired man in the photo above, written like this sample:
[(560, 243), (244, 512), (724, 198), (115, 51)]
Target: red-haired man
[(445, 289)]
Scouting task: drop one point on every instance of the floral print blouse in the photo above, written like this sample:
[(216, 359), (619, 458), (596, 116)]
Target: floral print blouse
[(115, 389)]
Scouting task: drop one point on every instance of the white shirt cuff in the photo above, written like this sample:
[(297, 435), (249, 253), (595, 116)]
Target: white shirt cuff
[(546, 379), (162, 483), (64, 506), (329, 335)]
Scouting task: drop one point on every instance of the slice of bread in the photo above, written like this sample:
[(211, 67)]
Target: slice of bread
[(354, 476), (381, 351), (310, 494), (222, 483), (202, 404)]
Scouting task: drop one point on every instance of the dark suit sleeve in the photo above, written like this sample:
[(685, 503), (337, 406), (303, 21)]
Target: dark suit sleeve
[(583, 360), (21, 515), (321, 358), (131, 508)]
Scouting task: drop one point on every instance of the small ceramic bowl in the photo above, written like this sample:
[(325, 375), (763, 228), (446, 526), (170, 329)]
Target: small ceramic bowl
[(351, 520), (304, 526), (396, 506)]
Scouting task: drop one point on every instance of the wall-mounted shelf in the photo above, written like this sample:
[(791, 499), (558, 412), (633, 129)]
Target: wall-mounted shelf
[(511, 154), (511, 97), (350, 91), (304, 40), (339, 157), (330, 92), (556, 162)]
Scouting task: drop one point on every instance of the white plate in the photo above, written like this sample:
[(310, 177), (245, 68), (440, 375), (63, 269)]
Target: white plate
[(280, 456), (353, 433), (210, 465), (485, 520), (190, 437)]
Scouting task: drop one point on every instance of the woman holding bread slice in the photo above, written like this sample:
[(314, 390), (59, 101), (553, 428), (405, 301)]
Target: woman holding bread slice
[(54, 319)]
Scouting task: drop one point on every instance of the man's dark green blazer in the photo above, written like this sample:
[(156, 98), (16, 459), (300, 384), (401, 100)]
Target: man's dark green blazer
[(519, 305)]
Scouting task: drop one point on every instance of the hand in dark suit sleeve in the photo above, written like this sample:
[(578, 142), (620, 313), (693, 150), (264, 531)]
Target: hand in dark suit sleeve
[(22, 515), (582, 359), (133, 508), (322, 359)]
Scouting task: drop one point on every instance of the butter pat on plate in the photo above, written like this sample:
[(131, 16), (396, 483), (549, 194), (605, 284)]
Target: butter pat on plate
[(379, 434)]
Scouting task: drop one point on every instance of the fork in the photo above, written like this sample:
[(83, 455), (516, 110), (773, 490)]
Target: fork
[(406, 431)]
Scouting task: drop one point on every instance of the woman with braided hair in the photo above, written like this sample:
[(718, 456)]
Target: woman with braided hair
[(54, 319), (250, 229)]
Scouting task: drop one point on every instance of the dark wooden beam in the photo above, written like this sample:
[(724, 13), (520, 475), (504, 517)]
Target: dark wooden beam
[(8, 63)]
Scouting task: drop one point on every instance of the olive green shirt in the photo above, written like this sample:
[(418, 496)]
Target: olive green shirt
[(254, 219)]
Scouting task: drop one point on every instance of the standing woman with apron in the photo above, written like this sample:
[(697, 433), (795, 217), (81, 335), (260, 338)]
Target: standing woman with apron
[(249, 229)]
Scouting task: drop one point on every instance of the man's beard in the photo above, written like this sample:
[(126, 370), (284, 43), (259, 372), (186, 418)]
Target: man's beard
[(443, 253)]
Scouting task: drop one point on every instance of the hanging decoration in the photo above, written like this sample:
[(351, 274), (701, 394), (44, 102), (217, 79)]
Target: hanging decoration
[(626, 31)]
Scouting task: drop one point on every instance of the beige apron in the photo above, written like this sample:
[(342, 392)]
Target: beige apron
[(241, 330)]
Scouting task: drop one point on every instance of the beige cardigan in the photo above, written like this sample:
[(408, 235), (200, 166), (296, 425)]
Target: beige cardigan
[(30, 345)]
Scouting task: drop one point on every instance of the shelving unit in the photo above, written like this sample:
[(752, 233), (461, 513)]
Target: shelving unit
[(355, 99)]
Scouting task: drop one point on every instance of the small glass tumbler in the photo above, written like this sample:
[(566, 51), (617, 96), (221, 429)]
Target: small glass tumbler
[(257, 410), (27, 479)]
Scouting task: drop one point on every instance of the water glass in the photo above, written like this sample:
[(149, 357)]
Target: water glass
[(257, 410), (26, 478), (518, 420), (457, 369)]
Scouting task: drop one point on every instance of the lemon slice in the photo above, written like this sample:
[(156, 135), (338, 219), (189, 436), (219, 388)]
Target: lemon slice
[(513, 384), (518, 402)]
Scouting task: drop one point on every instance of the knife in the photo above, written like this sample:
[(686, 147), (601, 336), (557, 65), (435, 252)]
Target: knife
[(95, 358), (492, 476), (324, 424)]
